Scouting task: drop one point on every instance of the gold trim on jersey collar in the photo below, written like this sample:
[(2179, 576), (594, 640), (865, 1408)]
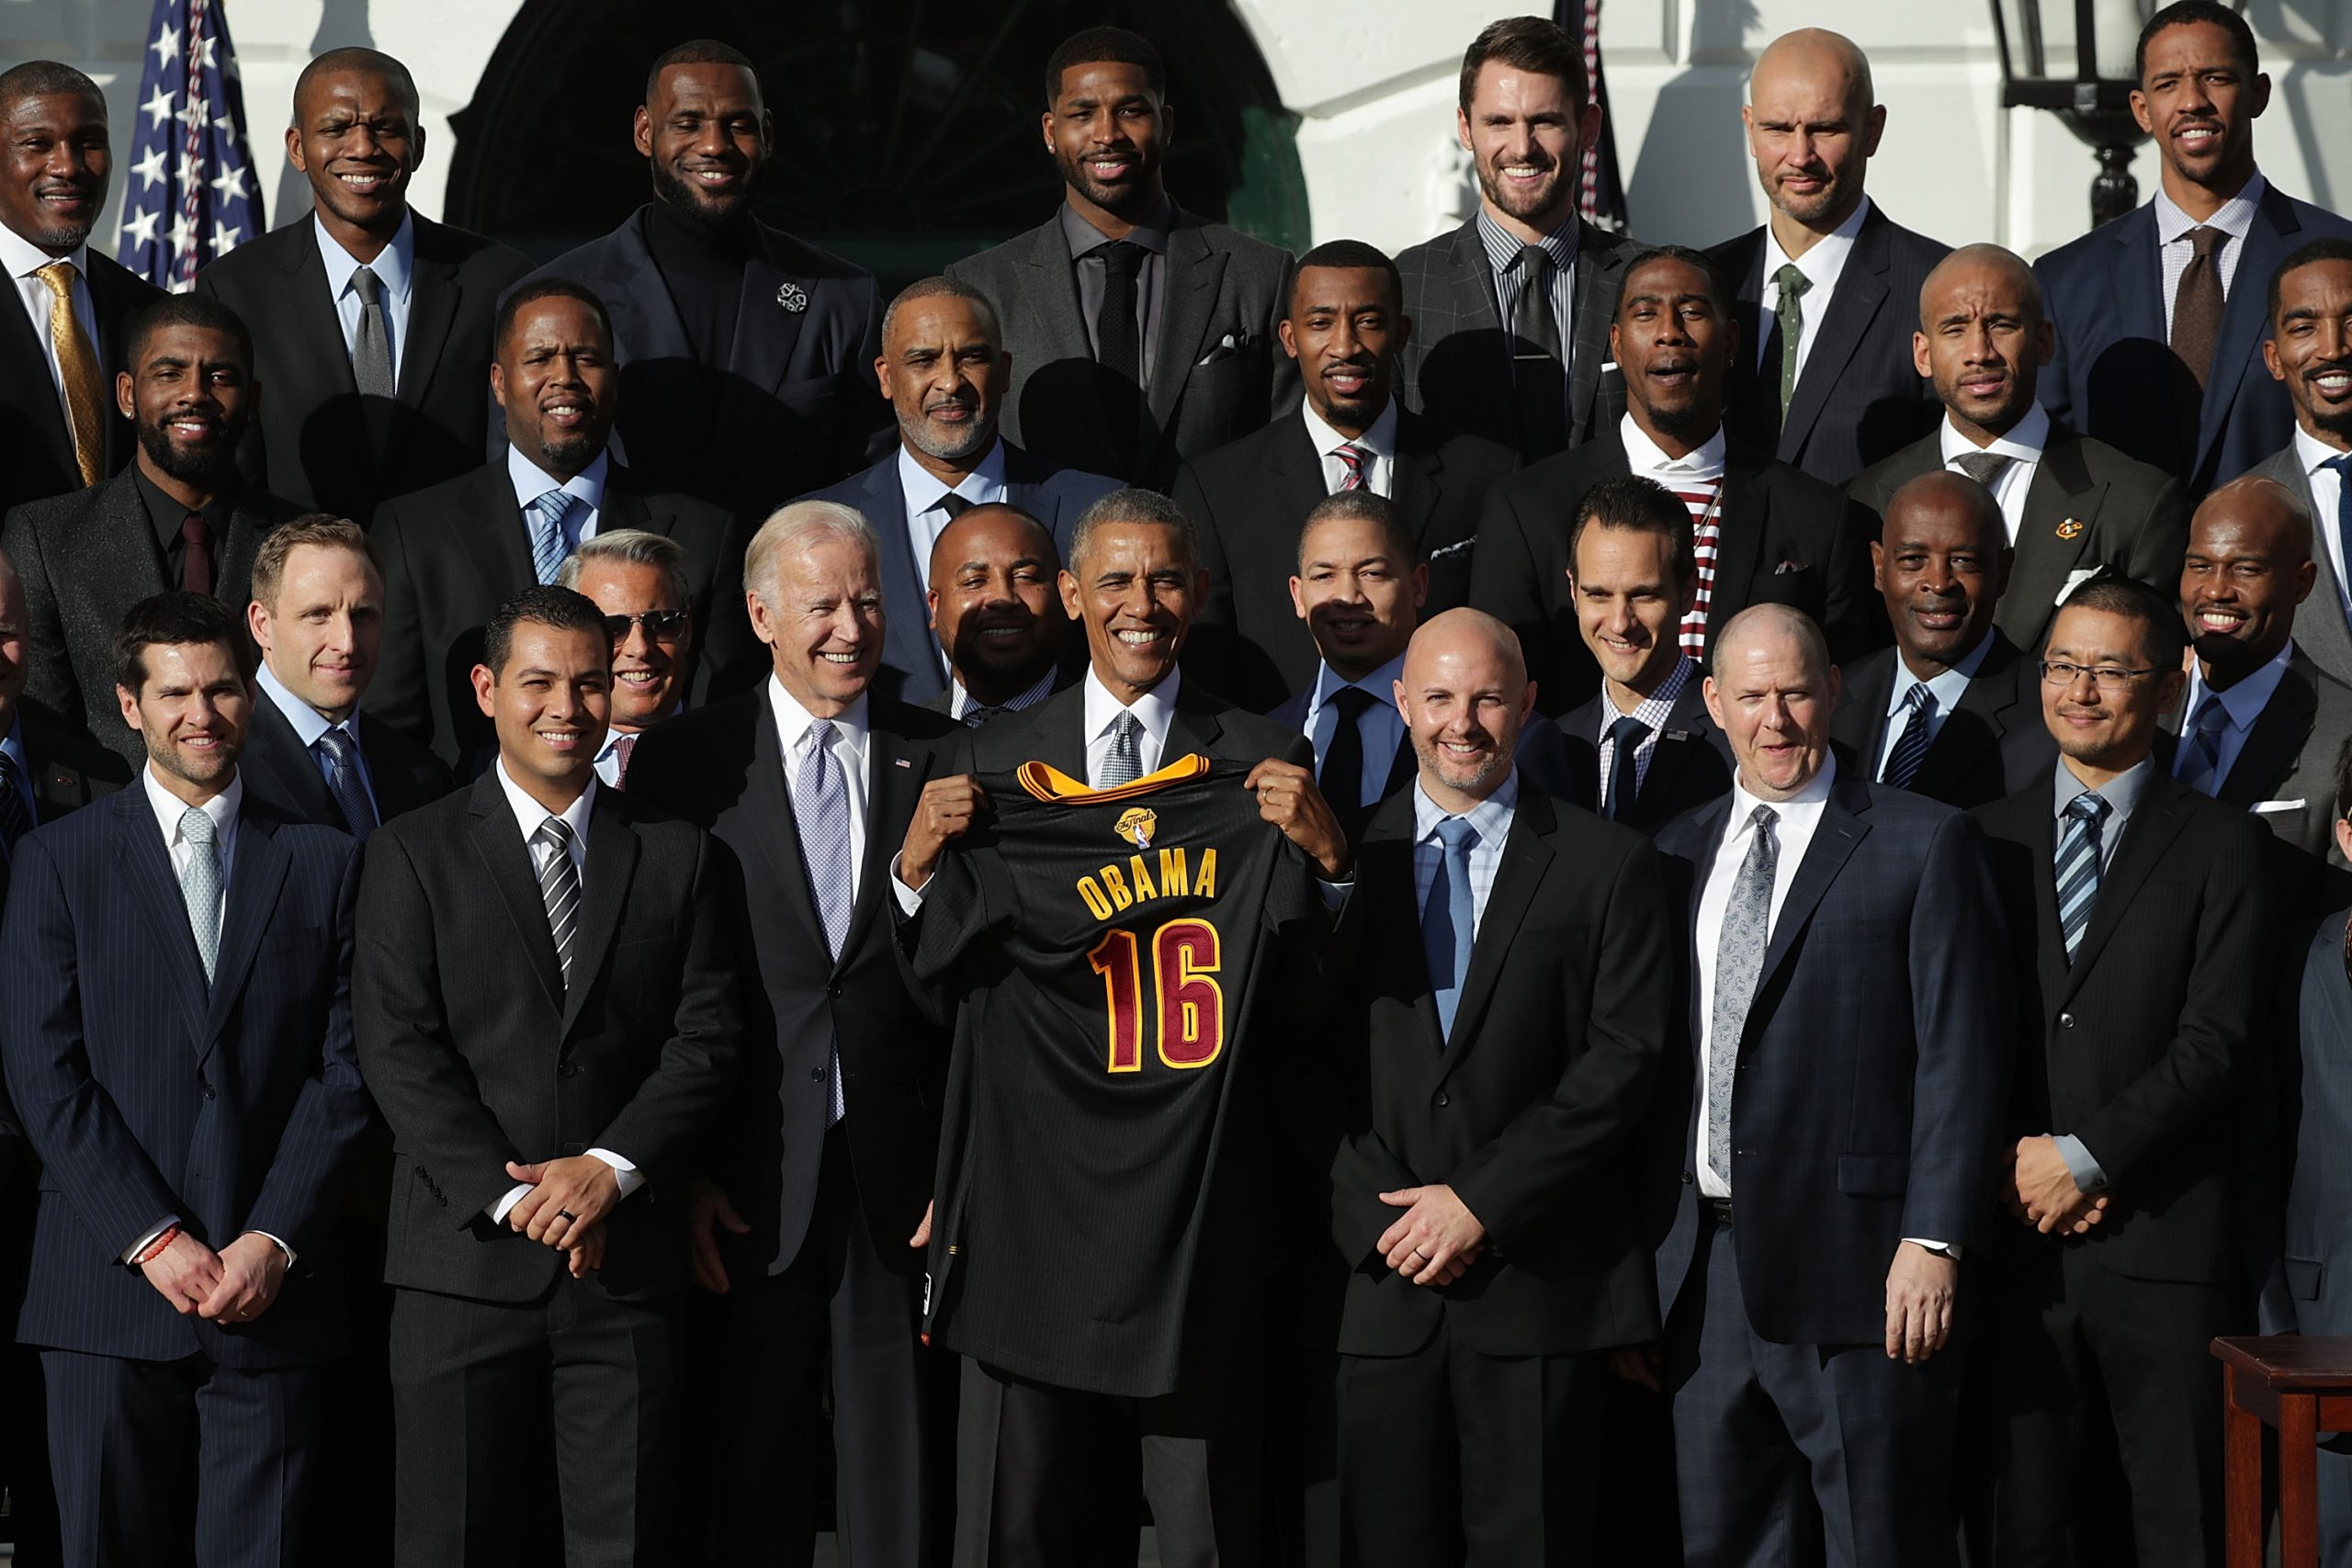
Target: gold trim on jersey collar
[(1047, 782)]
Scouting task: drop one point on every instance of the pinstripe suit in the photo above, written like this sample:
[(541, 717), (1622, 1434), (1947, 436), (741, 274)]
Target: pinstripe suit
[(148, 1093)]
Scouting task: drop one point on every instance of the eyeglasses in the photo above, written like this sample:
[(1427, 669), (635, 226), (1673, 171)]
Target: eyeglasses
[(661, 625), (2105, 677)]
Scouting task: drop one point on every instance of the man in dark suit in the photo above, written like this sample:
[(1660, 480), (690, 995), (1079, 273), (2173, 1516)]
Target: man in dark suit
[(2072, 504), (69, 331), (1511, 311), (1841, 1098), (178, 517), (2309, 351), (317, 615), (638, 581), (1823, 378), (1141, 334), (372, 321), (49, 772), (996, 611), (2136, 910), (182, 1058), (944, 369), (1645, 748), (1973, 732), (1763, 531), (748, 353), (1343, 327), (454, 553), (2159, 311), (533, 926), (1508, 1005), (812, 1207)]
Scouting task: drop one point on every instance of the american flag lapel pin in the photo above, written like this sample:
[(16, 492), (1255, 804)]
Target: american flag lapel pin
[(902, 761)]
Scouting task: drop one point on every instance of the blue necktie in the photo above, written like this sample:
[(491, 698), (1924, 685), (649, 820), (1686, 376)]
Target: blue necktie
[(343, 781), (551, 532), (2078, 873), (820, 807), (2200, 762), (1625, 738), (1449, 921), (2343, 467), (1911, 746)]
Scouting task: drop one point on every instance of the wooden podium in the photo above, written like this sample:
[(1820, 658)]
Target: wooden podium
[(2303, 1387)]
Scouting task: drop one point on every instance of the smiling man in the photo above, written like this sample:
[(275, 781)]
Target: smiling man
[(2309, 351), (454, 553), (2149, 357), (997, 613), (638, 580), (61, 427), (394, 403)]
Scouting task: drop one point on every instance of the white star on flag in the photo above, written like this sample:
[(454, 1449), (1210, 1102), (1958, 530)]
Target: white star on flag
[(150, 169), (183, 236), (225, 240), (198, 194), (167, 46), (230, 183), (159, 108), (139, 227)]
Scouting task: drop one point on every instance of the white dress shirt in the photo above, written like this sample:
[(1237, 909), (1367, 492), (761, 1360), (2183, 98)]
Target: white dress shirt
[(24, 260), (2022, 444), (850, 747), (1823, 264), (1155, 710), (1948, 689), (920, 493), (395, 268), (1382, 727), (531, 481), (2174, 250), (529, 816), (1380, 441), (1703, 464), (2243, 703), (310, 725), (2327, 502)]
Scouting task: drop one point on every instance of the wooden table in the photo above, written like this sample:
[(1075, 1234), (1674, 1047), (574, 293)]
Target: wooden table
[(2303, 1387)]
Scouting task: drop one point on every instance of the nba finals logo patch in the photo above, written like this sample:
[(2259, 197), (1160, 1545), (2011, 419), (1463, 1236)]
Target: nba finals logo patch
[(1137, 824)]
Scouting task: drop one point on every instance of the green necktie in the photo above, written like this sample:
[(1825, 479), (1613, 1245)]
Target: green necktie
[(1793, 285)]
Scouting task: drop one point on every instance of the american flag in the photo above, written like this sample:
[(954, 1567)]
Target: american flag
[(193, 193), (1601, 191)]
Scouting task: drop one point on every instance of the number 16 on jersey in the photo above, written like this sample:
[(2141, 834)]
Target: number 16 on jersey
[(1191, 1005)]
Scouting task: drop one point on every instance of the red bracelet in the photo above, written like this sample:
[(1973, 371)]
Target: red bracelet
[(154, 1248)]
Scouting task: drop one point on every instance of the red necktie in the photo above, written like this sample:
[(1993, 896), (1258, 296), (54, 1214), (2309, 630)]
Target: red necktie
[(195, 554), (621, 749)]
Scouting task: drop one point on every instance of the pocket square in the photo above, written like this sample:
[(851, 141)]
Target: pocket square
[(1788, 567), (2281, 804), (1459, 547), (1227, 347), (2074, 580)]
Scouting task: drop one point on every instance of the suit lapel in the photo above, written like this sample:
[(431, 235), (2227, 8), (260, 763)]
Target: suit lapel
[(1418, 483), (605, 874), (1687, 719), (2274, 743), (1599, 275), (493, 537), (1841, 831), (432, 306), (1190, 277), (147, 866), (278, 751), (1739, 540), (257, 868), (896, 775), (1988, 699), (905, 580), (2163, 811), (1393, 922), (766, 329), (1526, 856), (506, 861), (1860, 294), (2245, 318), (2061, 491), (1193, 727), (1048, 303), (768, 809), (2135, 276)]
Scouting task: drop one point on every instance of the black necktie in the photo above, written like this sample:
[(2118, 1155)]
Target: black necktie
[(1625, 738), (953, 505), (1538, 367), (1118, 344), (16, 820), (1342, 777)]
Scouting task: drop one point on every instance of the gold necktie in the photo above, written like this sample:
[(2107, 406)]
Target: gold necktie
[(77, 367)]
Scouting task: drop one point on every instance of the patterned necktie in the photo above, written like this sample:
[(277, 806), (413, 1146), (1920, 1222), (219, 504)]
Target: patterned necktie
[(550, 536), (1540, 367), (1790, 316), (1911, 746), (1984, 468), (1449, 921), (1625, 738), (15, 817), (1123, 762), (2077, 872), (343, 783), (77, 369), (2201, 766), (196, 554), (2197, 302), (1353, 461), (621, 749), (1342, 780), (1739, 960), (558, 887), (200, 886), (820, 805), (371, 345)]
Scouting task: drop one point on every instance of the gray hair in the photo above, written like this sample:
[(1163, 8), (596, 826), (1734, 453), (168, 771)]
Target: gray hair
[(796, 527), (1133, 504), (629, 546)]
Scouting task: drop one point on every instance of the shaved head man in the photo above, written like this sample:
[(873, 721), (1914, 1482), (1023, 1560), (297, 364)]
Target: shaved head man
[(996, 613), (1464, 695)]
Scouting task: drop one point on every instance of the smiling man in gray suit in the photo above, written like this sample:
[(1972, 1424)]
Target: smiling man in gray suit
[(2309, 349)]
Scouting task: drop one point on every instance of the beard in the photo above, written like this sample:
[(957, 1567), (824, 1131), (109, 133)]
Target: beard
[(714, 212), (949, 444), (214, 460)]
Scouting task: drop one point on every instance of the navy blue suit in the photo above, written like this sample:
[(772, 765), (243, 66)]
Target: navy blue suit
[(2115, 376), (913, 669), (1869, 1093), (146, 1093)]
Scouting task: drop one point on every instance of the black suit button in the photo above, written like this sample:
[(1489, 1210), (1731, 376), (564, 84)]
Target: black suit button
[(833, 991), (815, 1075), (570, 1069), (2065, 1021), (1687, 1178), (208, 1091), (1443, 1100)]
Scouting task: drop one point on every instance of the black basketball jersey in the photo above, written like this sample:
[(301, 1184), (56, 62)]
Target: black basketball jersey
[(1110, 949)]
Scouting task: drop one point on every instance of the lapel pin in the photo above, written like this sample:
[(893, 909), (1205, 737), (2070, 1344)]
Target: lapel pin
[(792, 298), (902, 761), (2071, 529)]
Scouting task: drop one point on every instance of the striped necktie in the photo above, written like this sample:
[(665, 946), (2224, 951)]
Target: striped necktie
[(2077, 872), (550, 536), (1911, 746), (1704, 499), (1352, 458), (558, 888)]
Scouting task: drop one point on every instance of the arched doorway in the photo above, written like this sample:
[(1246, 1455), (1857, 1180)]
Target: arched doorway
[(907, 132)]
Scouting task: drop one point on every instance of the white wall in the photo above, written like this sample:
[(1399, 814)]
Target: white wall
[(1376, 98)]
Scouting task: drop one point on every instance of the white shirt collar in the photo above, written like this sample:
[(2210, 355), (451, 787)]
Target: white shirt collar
[(1155, 710), (2244, 701), (923, 491), (395, 266), (2233, 218), (961, 702), (1824, 261), (2311, 451), (2023, 441), (529, 814), (1491, 816), (1644, 456), (308, 723), (169, 808), (1381, 683), (792, 720), (1380, 440), (1812, 798), (23, 258), (1949, 686), (531, 481)]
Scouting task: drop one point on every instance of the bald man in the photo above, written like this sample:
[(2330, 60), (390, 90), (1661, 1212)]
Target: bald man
[(996, 609), (2072, 504), (1839, 1092), (1823, 378), (391, 401), (2261, 725), (1950, 711), (1514, 981)]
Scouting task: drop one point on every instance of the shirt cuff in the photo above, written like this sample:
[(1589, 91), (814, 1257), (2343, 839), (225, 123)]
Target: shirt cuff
[(2079, 1163), (130, 1254), (627, 1175), (1946, 1248), (910, 899), (277, 1242), (497, 1211)]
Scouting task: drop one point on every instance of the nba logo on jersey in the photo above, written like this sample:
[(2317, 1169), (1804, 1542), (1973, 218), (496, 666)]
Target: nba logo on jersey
[(1136, 825)]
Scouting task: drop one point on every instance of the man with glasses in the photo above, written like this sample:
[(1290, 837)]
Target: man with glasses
[(2142, 933), (638, 580)]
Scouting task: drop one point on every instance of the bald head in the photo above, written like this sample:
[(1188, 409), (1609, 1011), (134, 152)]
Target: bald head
[(1815, 54), (1941, 562), (1983, 339), (1464, 695), (1982, 266), (1773, 689), (994, 606), (2248, 566), (1775, 629), (1813, 124)]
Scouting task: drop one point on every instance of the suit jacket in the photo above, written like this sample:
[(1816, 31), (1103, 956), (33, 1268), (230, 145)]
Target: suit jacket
[(2115, 377), (477, 1053), (1871, 1067), (2285, 774), (1456, 369), (2142, 1046), (280, 770), (1526, 1109), (2311, 1292), (2322, 633), (1690, 764), (148, 1092), (85, 559), (1248, 502), (722, 768), (1991, 744), (1858, 399), (914, 669), (1787, 539), (32, 419), (453, 554), (1219, 371), (315, 442), (794, 407), (2121, 511)]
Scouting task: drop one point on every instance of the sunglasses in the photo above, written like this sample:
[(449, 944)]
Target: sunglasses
[(661, 625)]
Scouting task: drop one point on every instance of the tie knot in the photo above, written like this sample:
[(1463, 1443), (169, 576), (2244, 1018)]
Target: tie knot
[(2211, 718), (819, 736), (59, 275), (1352, 454), (1457, 834), (337, 743), (196, 826), (2204, 240), (1919, 698), (1982, 467), (194, 530), (1629, 731), (2090, 806), (1535, 263), (953, 505), (1354, 702), (554, 833), (1792, 281), (553, 504), (2342, 464), (1127, 726), (367, 285), (1121, 258), (1762, 818)]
